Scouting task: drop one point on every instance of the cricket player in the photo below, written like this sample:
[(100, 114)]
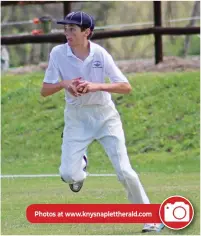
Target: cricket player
[(80, 68)]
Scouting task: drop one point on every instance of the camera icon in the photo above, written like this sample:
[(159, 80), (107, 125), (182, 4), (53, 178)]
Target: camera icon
[(177, 212)]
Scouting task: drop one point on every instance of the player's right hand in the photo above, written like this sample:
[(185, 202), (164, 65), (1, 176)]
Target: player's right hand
[(70, 86)]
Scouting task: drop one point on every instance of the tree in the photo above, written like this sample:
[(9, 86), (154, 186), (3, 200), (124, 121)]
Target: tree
[(195, 12)]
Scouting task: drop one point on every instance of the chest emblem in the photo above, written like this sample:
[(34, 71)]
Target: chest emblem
[(97, 64)]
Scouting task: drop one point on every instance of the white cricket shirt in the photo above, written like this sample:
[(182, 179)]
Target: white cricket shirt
[(64, 65)]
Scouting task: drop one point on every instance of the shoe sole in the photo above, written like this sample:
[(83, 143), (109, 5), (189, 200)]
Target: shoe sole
[(75, 190), (150, 230)]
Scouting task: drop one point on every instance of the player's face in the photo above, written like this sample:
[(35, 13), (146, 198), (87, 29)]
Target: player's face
[(74, 35)]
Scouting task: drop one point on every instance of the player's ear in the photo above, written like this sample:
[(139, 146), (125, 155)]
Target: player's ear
[(87, 32)]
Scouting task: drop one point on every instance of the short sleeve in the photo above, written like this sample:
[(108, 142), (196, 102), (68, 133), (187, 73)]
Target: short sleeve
[(112, 71), (52, 72)]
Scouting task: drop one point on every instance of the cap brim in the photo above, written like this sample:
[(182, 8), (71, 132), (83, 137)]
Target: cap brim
[(65, 22)]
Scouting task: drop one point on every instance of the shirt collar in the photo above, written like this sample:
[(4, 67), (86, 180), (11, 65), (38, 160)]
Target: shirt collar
[(91, 53), (69, 51), (92, 49)]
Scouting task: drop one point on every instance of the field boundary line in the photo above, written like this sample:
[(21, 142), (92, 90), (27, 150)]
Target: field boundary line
[(50, 175)]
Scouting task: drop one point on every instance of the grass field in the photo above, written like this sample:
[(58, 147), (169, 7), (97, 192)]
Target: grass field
[(17, 194), (161, 123)]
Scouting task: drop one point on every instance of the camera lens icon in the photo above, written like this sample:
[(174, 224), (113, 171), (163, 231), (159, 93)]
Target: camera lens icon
[(179, 211), (176, 212)]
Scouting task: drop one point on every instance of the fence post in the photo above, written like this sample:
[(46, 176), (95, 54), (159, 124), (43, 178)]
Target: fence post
[(158, 36), (67, 7)]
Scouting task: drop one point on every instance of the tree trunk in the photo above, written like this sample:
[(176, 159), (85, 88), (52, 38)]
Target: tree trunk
[(195, 12), (169, 16)]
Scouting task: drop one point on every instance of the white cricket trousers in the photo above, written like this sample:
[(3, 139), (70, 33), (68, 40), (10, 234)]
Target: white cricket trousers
[(83, 124)]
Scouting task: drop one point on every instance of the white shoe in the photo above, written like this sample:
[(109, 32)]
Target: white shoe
[(152, 227), (76, 187)]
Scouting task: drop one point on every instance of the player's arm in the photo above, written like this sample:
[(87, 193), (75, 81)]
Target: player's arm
[(49, 89), (70, 85), (51, 83), (119, 83), (122, 88)]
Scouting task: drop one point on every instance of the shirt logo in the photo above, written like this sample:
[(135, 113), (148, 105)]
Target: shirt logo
[(97, 64)]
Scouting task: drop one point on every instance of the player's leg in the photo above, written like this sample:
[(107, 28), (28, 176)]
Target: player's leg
[(76, 186), (73, 161), (112, 138), (116, 150), (74, 146)]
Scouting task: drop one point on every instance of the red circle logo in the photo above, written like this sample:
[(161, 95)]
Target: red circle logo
[(176, 212)]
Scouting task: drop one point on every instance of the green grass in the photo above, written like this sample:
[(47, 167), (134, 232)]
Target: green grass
[(18, 194), (160, 119), (161, 122)]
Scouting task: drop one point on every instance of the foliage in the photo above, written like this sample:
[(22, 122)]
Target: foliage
[(106, 13)]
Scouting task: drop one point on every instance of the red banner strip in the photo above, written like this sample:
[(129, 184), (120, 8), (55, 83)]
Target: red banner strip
[(93, 213)]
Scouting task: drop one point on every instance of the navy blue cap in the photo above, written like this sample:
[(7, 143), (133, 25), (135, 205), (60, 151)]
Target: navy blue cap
[(78, 18)]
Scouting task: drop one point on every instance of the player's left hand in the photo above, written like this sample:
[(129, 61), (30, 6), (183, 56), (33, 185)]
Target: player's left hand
[(86, 87)]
